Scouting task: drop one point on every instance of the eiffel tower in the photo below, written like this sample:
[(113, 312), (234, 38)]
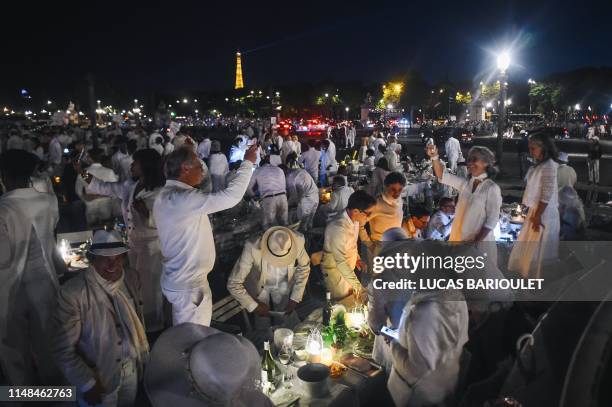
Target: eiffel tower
[(239, 81)]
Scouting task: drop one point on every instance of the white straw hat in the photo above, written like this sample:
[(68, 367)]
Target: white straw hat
[(105, 243), (279, 246)]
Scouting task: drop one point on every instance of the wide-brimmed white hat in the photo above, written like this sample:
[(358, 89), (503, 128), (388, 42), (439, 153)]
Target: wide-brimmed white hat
[(105, 243), (279, 246), (192, 365)]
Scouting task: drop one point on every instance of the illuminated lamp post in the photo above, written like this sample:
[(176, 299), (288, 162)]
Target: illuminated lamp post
[(503, 61)]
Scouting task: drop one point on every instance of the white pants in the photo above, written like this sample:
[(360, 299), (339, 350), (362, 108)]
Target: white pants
[(306, 210), (350, 139), (125, 394), (275, 211), (593, 167), (146, 258), (193, 305)]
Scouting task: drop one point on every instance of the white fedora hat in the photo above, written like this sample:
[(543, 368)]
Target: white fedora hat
[(192, 365), (105, 243), (279, 246)]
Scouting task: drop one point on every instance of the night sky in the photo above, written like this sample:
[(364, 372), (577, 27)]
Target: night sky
[(182, 46)]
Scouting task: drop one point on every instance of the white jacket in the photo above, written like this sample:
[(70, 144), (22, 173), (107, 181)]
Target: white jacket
[(426, 358), (86, 338), (247, 279), (340, 255), (22, 212)]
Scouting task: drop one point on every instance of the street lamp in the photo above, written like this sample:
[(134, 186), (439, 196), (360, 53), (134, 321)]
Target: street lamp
[(503, 62), (577, 106), (531, 83)]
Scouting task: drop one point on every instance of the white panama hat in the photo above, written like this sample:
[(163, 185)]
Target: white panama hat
[(279, 246), (105, 243)]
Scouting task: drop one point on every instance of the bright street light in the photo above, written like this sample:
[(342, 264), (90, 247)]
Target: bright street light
[(389, 106), (327, 95), (577, 106), (503, 61), (185, 100), (508, 102), (346, 108), (489, 105)]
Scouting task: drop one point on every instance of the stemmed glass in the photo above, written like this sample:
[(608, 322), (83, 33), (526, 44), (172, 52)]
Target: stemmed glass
[(285, 356)]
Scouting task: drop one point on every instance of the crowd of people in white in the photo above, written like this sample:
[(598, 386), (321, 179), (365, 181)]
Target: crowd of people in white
[(91, 331)]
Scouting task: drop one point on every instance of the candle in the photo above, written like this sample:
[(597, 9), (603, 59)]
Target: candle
[(327, 356), (314, 346), (64, 249)]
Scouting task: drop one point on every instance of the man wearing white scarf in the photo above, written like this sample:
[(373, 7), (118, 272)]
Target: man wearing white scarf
[(99, 340)]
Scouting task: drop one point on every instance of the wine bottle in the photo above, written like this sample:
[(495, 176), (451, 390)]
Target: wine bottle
[(327, 310), (268, 365)]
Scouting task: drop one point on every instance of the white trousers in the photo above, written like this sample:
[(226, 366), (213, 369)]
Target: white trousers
[(275, 211), (193, 305), (125, 394), (306, 210), (593, 167), (146, 258)]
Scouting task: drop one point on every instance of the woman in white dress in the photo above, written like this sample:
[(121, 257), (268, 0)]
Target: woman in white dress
[(538, 241), (478, 206), (137, 196)]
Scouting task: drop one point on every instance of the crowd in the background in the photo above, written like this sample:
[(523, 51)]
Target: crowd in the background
[(91, 331)]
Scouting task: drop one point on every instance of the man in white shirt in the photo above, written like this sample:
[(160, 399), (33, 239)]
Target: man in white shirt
[(310, 160), (388, 211), (566, 175), (97, 208), (339, 197), (393, 157), (440, 224), (55, 152), (185, 233), (453, 152), (119, 155), (271, 274), (340, 253), (98, 339), (271, 184), (204, 148), (301, 189)]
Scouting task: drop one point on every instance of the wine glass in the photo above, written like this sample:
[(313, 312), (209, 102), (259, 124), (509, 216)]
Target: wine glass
[(285, 356)]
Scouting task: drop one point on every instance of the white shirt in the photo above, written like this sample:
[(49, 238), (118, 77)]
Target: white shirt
[(566, 176), (439, 226), (217, 164), (475, 210), (55, 151), (310, 159), (125, 168), (98, 171), (185, 233), (269, 179), (204, 148), (339, 200), (116, 161), (301, 187), (387, 214), (453, 152)]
